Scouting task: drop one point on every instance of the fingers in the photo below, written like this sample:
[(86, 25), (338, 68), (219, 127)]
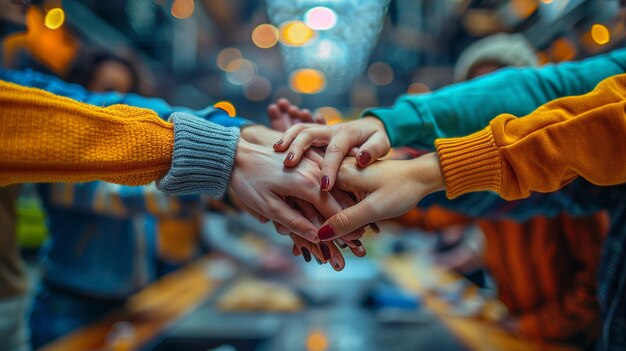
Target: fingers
[(278, 120), (299, 140), (319, 119), (337, 149), (305, 248), (374, 148), (294, 222), (337, 260), (348, 220)]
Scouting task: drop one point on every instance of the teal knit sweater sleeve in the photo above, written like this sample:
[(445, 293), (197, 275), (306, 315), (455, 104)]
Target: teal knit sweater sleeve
[(467, 107)]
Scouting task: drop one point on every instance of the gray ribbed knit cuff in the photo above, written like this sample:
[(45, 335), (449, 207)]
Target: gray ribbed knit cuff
[(203, 158)]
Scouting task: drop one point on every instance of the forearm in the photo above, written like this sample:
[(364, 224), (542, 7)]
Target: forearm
[(465, 108), (575, 136)]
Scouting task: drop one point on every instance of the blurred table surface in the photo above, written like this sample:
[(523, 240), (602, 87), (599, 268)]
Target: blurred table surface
[(178, 312)]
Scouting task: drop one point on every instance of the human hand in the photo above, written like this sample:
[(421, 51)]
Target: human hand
[(366, 138), (283, 115), (386, 189), (263, 184)]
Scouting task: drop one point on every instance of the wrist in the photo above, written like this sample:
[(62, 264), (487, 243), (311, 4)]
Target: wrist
[(426, 174)]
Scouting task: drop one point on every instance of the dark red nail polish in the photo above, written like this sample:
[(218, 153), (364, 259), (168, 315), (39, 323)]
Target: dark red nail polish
[(326, 232), (364, 158), (306, 254), (324, 183), (290, 156), (325, 251), (294, 251), (375, 227), (357, 242), (278, 143)]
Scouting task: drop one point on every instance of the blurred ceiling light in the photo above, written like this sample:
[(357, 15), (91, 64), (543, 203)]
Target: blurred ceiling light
[(380, 73), (330, 114), (227, 107), (547, 1), (182, 9), (295, 33), (241, 72), (320, 18), (316, 341), (418, 88), (259, 89), (265, 36), (307, 81), (226, 57), (600, 34), (54, 18)]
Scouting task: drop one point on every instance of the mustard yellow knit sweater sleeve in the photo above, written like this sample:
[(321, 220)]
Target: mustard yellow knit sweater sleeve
[(566, 138), (48, 138)]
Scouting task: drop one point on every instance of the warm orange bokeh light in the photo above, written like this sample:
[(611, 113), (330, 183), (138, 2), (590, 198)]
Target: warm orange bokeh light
[(295, 33), (524, 8), (227, 107), (182, 9), (330, 114), (418, 88), (317, 341), (54, 18), (265, 36), (228, 56), (600, 34), (307, 81)]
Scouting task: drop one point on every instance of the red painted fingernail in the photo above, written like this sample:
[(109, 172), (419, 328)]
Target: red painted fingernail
[(357, 242), (364, 158), (325, 251), (375, 227), (278, 143), (326, 232), (306, 254), (324, 183), (290, 156), (294, 250)]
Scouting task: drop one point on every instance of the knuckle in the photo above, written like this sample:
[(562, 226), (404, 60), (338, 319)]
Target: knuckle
[(342, 222), (336, 149)]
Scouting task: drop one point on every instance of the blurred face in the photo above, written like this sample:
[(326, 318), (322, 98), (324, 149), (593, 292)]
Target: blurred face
[(111, 76), (14, 11), (483, 68)]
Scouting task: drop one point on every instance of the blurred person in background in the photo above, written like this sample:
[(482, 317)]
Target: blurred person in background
[(101, 71)]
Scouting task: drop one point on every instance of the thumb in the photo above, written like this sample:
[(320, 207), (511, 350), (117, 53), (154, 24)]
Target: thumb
[(347, 221)]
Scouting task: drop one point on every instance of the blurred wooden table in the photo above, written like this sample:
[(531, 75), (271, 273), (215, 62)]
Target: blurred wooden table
[(476, 334), (147, 313)]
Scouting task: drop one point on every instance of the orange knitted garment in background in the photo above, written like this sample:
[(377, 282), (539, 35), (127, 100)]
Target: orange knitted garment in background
[(48, 138), (579, 135), (545, 269)]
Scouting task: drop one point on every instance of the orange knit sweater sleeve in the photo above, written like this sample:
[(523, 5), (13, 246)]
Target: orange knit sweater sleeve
[(48, 138), (566, 138)]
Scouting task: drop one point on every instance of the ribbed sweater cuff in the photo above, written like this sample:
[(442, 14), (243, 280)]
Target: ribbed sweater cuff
[(470, 163), (203, 157)]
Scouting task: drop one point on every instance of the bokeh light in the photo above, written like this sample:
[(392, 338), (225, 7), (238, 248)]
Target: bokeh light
[(317, 341), (380, 73), (523, 8), (227, 106), (55, 18), (226, 57), (547, 1), (418, 88), (265, 36), (320, 18), (307, 81), (259, 89), (182, 9), (241, 72), (330, 114), (600, 34), (295, 33)]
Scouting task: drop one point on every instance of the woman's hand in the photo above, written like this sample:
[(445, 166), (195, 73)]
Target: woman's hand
[(366, 138), (263, 184), (283, 115), (386, 189)]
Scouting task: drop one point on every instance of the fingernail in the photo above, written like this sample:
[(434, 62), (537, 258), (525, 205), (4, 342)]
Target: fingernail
[(306, 254), (312, 237), (342, 244), (294, 251), (290, 156), (324, 183), (360, 249), (278, 143), (336, 263), (318, 261), (326, 232), (325, 251), (357, 242), (375, 227), (364, 158)]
